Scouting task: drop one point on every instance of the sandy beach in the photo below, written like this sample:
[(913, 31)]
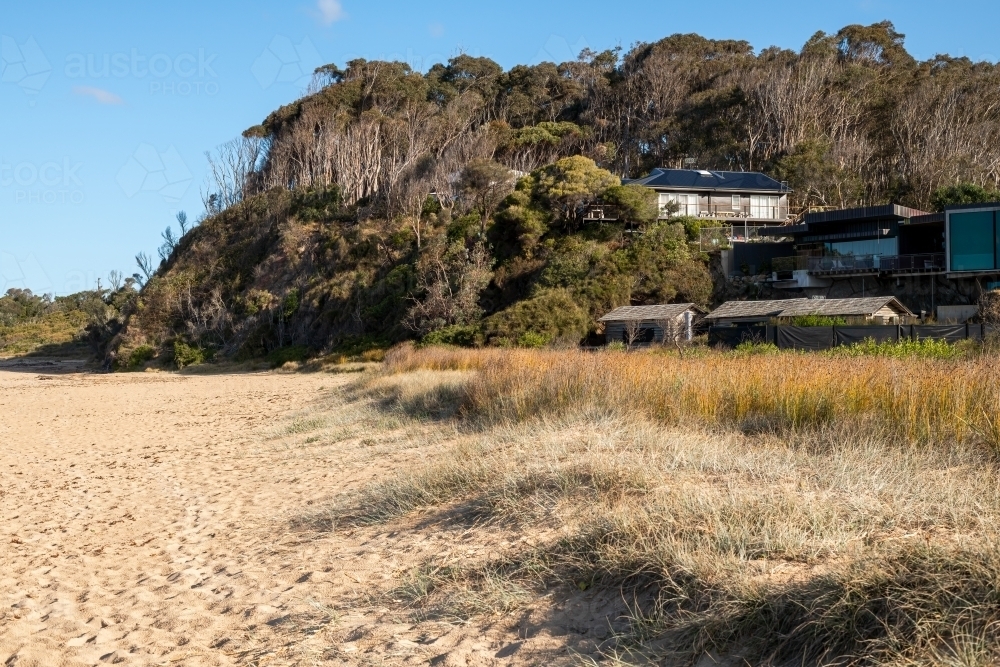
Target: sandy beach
[(146, 519)]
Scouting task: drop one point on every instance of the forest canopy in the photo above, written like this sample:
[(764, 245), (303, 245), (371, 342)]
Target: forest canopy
[(850, 119)]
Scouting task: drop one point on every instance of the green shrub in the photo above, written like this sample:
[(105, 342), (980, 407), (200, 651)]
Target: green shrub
[(283, 355), (187, 355), (817, 321), (551, 314), (926, 349), (458, 335), (139, 356), (290, 304), (617, 346), (533, 339)]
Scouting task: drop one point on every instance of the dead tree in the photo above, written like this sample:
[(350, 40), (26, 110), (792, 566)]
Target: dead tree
[(632, 331)]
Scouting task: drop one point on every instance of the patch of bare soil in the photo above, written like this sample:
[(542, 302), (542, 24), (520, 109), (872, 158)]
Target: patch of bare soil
[(147, 519)]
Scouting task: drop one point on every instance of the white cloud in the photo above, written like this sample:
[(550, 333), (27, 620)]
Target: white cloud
[(99, 94), (330, 11)]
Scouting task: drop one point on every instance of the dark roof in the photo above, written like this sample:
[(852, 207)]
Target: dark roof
[(959, 207), (649, 313), (738, 309), (785, 230), (844, 307), (701, 179), (797, 307), (863, 213), (925, 219), (866, 213)]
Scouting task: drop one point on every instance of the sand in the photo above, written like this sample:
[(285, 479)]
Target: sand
[(148, 518)]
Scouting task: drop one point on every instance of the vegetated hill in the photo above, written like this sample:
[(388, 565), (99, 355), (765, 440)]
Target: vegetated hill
[(76, 326), (300, 270), (380, 205)]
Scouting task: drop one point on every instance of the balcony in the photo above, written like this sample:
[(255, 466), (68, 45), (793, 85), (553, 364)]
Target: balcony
[(745, 215), (848, 265), (862, 265), (914, 264)]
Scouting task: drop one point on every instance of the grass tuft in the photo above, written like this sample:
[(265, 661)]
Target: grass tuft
[(815, 509)]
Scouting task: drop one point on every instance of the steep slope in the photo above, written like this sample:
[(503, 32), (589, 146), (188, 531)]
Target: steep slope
[(294, 273)]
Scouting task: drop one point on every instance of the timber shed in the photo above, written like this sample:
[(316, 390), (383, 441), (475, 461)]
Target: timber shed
[(651, 324), (874, 310)]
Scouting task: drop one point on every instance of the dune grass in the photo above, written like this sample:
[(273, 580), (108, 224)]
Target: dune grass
[(780, 510), (917, 400)]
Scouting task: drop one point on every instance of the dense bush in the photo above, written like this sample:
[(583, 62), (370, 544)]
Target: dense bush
[(548, 317), (187, 355)]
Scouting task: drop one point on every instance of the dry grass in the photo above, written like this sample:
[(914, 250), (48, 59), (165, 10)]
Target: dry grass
[(917, 400), (854, 523)]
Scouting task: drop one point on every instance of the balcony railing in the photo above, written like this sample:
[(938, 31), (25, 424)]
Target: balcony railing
[(722, 238), (867, 264), (722, 212), (926, 263), (844, 264)]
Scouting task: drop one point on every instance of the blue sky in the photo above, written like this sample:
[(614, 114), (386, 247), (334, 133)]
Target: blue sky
[(109, 107)]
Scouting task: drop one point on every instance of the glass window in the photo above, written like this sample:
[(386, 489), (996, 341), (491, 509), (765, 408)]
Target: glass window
[(882, 247), (764, 207), (686, 204), (972, 241), (736, 202)]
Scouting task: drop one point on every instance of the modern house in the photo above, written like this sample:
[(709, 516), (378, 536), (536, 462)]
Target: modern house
[(874, 310), (737, 197), (889, 240), (651, 324)]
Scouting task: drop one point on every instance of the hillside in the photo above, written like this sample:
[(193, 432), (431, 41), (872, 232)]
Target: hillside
[(300, 272), (387, 204), (76, 326)]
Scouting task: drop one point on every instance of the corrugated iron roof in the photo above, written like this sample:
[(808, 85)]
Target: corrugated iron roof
[(860, 307), (667, 311), (701, 179)]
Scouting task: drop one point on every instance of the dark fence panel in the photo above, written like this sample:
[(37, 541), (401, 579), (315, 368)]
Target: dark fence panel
[(733, 336), (824, 338), (854, 335), (805, 338), (952, 333)]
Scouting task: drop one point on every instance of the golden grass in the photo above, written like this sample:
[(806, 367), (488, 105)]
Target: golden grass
[(917, 400), (810, 533)]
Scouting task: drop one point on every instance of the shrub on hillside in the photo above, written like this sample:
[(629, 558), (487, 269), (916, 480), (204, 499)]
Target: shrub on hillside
[(459, 335), (187, 355), (139, 356), (551, 315)]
